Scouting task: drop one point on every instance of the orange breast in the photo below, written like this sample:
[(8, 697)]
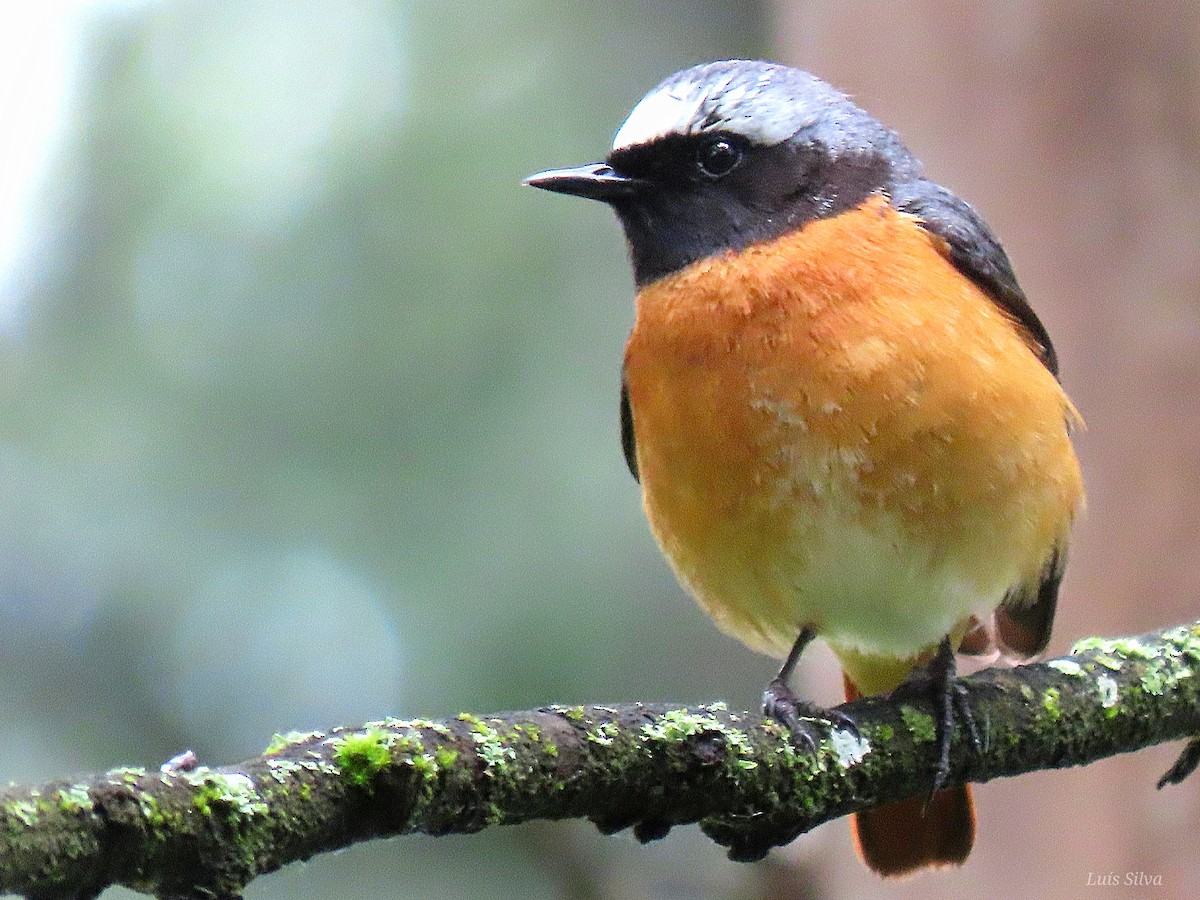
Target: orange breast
[(838, 429)]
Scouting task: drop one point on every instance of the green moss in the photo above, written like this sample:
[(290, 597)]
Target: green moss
[(1131, 648), (604, 734), (1153, 681), (920, 725), (489, 744), (232, 793), (1111, 653), (1092, 644), (282, 770), (75, 799), (1051, 702), (885, 733), (1067, 667), (23, 810), (407, 743), (1083, 645), (204, 798), (387, 723), (493, 753), (1185, 639), (361, 755), (445, 757), (281, 742), (738, 741), (677, 724), (151, 811), (125, 774), (425, 764), (1162, 674), (314, 762), (394, 724)]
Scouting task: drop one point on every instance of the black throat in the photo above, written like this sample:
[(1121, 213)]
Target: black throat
[(677, 220)]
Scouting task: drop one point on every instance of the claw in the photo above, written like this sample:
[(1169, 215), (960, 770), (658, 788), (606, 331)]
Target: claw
[(1184, 766), (801, 718)]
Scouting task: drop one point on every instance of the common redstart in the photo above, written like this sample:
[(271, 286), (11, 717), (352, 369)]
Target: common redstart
[(844, 414)]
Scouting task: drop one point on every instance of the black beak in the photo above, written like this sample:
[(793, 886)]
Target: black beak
[(599, 181)]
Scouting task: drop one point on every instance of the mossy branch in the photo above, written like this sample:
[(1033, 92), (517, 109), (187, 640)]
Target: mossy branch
[(189, 831)]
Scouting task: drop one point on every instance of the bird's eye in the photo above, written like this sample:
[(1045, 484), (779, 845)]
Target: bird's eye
[(718, 157)]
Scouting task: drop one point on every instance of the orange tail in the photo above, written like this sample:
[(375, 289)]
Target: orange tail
[(905, 837)]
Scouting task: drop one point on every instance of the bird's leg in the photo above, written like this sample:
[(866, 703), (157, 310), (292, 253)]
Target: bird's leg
[(950, 707), (781, 703)]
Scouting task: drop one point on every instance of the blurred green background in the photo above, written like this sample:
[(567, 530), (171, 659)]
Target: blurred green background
[(308, 409)]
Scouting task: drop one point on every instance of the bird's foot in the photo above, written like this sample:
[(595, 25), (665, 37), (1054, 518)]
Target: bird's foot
[(802, 718), (951, 707)]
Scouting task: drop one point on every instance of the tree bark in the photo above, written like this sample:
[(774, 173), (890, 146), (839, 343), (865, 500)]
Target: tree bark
[(190, 831)]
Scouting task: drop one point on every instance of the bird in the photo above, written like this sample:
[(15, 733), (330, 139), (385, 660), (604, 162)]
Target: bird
[(845, 417)]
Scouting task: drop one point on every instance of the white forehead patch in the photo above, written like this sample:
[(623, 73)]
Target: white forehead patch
[(749, 101), (657, 115)]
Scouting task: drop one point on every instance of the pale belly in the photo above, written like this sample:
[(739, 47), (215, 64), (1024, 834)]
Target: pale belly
[(788, 555)]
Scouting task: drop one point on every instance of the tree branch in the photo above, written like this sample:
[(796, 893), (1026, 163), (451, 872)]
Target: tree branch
[(189, 831)]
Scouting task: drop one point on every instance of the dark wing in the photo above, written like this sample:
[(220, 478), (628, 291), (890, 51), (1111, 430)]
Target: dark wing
[(1026, 616), (628, 441), (974, 250)]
